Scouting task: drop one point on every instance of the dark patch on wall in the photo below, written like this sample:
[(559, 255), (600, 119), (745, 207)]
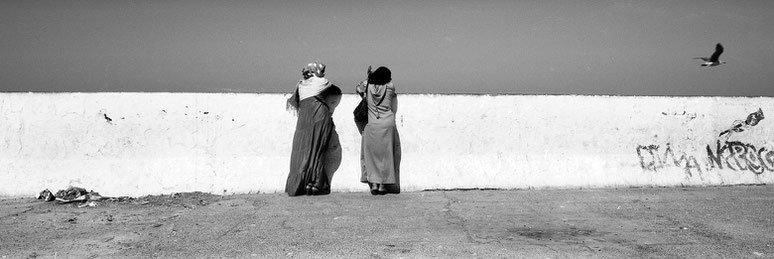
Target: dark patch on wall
[(688, 115)]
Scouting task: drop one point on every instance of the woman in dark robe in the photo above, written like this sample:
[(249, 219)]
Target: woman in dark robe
[(316, 151), (380, 144)]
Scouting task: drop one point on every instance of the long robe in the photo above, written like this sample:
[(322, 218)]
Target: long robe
[(380, 143), (316, 152)]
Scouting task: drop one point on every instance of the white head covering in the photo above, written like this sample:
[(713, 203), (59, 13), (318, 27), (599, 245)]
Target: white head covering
[(312, 86), (314, 83)]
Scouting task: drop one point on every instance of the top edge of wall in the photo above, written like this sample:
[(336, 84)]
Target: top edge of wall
[(418, 94)]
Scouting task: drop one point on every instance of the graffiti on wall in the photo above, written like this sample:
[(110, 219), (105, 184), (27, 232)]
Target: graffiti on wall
[(731, 155), (740, 156), (653, 158), (741, 125)]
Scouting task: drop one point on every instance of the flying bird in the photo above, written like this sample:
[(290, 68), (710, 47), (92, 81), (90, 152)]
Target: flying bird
[(713, 60)]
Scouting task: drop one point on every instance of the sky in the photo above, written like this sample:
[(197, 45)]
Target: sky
[(608, 47)]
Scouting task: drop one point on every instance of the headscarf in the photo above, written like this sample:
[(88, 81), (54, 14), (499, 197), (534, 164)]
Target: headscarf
[(313, 69), (381, 76), (313, 84)]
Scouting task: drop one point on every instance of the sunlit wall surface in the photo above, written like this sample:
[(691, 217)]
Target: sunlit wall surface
[(151, 143)]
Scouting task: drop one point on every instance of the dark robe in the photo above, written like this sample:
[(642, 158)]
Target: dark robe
[(316, 152)]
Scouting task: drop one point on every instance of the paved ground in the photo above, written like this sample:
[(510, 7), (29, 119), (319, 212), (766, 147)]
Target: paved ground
[(711, 222)]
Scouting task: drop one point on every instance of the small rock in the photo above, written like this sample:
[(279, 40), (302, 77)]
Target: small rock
[(89, 204)]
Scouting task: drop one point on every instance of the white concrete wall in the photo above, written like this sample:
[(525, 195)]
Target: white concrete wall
[(174, 142)]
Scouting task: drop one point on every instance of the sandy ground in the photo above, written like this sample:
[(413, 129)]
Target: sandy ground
[(706, 222)]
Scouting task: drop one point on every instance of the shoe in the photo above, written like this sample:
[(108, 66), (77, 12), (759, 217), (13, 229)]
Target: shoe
[(308, 189), (381, 190)]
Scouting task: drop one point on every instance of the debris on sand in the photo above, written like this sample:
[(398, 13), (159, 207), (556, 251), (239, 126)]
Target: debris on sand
[(89, 204), (84, 199), (71, 193), (78, 194), (46, 195)]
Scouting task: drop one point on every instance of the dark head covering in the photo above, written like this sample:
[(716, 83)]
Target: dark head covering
[(381, 76), (313, 69)]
